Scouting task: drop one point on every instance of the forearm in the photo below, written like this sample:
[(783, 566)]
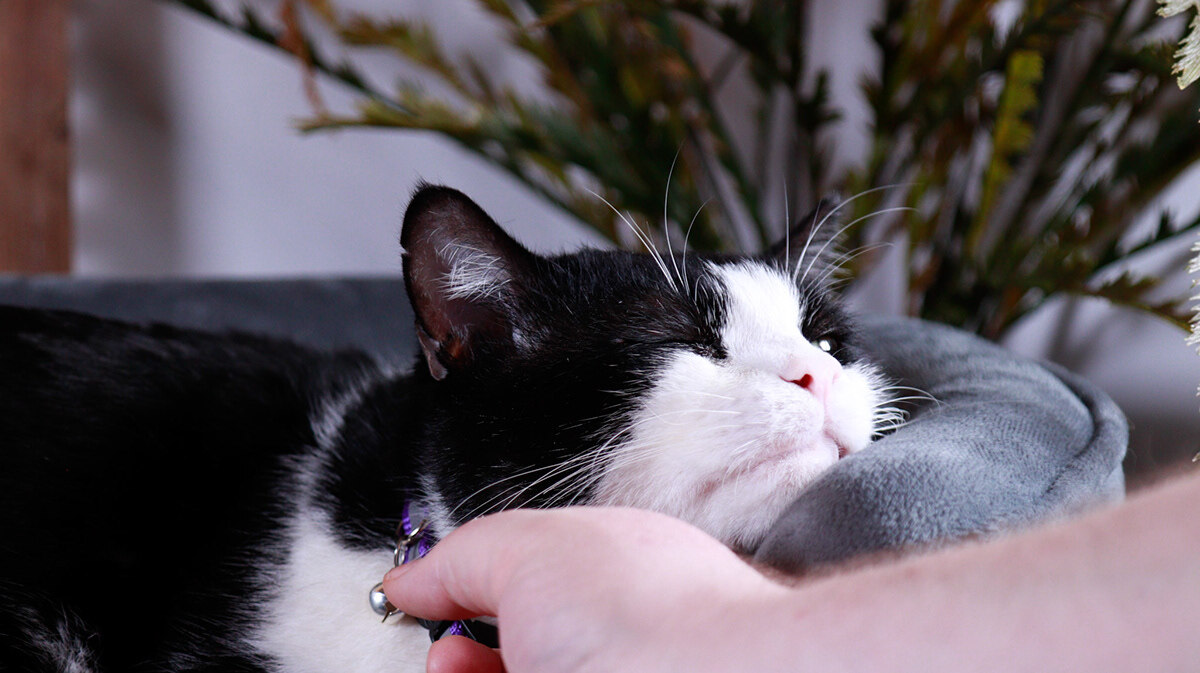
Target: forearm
[(1115, 591)]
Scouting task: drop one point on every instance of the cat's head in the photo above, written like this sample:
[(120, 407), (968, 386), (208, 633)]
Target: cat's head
[(712, 388)]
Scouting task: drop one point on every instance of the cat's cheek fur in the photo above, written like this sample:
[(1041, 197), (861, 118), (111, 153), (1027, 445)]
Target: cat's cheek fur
[(854, 406), (316, 618)]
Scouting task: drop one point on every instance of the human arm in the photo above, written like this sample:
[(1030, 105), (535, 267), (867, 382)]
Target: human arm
[(613, 590)]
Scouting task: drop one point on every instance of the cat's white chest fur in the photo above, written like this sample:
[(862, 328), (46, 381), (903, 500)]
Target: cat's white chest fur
[(318, 619)]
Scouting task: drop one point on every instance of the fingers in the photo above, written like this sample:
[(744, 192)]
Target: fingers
[(465, 574), (455, 654), (468, 572)]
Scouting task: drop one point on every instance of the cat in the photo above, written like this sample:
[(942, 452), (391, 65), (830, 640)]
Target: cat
[(184, 501)]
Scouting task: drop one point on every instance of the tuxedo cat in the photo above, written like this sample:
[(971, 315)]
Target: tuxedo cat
[(183, 501)]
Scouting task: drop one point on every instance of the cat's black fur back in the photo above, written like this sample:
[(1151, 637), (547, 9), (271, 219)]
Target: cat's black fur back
[(139, 467)]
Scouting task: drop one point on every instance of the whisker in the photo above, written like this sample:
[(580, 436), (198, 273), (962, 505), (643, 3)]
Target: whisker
[(837, 265), (643, 237), (685, 241), (665, 224), (787, 232), (841, 231), (813, 231)]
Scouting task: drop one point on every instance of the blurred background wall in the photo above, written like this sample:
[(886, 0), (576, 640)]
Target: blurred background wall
[(186, 164)]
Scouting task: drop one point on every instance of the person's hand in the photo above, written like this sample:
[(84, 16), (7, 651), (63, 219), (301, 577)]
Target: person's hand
[(583, 589), (604, 590)]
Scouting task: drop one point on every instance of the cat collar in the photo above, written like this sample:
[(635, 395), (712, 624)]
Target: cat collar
[(412, 543)]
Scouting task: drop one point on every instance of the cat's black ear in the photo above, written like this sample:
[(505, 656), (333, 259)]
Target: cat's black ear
[(811, 240), (463, 275)]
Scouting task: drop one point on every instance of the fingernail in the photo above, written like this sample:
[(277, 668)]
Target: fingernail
[(397, 572)]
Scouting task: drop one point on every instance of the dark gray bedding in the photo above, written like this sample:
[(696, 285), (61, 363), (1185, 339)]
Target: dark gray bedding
[(1007, 443)]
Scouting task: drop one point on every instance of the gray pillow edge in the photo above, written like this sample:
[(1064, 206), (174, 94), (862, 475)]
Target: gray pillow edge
[(1041, 442)]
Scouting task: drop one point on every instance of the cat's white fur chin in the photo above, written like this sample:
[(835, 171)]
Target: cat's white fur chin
[(728, 444), (317, 618)]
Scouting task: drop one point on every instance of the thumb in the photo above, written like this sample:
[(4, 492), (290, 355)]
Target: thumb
[(465, 574)]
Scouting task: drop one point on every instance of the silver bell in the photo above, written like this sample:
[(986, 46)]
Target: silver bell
[(380, 603)]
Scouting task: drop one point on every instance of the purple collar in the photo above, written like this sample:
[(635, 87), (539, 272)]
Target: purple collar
[(413, 543)]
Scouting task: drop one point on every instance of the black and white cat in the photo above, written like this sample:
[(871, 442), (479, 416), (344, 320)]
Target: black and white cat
[(175, 500)]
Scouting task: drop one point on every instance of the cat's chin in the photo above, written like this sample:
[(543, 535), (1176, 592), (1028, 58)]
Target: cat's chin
[(738, 507), (738, 501)]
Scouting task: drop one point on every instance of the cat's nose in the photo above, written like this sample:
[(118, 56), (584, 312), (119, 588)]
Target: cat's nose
[(814, 371)]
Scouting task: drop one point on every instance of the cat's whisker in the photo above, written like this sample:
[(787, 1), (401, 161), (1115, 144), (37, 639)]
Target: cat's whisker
[(909, 398), (550, 469), (708, 394), (517, 475), (737, 450), (588, 463), (522, 498), (787, 231), (685, 243), (568, 478), (589, 471), (857, 196), (836, 265), (812, 232), (814, 229), (843, 230), (919, 393), (666, 223), (888, 419), (643, 237), (698, 411), (490, 485), (661, 415), (902, 387)]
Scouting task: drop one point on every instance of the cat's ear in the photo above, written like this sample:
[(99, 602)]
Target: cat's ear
[(463, 275), (811, 242)]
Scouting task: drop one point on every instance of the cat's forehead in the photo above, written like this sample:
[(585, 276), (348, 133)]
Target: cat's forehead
[(731, 295), (759, 294), (744, 287)]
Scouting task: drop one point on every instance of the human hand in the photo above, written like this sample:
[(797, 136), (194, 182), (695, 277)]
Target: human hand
[(584, 589), (594, 589)]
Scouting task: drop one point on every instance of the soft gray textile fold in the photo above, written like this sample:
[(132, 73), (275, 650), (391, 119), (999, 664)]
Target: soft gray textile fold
[(1008, 443)]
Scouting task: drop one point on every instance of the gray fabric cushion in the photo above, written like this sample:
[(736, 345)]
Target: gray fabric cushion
[(371, 314), (1008, 442)]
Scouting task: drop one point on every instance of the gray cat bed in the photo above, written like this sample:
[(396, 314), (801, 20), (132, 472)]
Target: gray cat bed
[(1008, 442)]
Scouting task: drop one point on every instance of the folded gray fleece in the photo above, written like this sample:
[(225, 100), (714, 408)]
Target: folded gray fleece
[(1009, 442)]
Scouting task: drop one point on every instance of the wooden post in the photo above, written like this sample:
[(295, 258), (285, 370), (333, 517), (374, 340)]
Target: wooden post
[(35, 234)]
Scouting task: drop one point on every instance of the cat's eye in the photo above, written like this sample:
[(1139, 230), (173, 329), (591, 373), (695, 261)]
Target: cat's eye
[(825, 345)]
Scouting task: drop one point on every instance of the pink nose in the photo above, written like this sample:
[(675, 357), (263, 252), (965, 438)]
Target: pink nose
[(815, 372)]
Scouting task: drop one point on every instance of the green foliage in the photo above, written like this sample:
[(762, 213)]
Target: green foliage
[(1011, 161)]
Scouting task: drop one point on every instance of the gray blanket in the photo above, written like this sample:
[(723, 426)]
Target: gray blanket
[(1007, 443)]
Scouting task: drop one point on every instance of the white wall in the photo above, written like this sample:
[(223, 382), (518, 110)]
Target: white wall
[(187, 162), (186, 165)]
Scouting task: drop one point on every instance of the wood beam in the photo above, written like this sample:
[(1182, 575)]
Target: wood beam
[(35, 154)]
